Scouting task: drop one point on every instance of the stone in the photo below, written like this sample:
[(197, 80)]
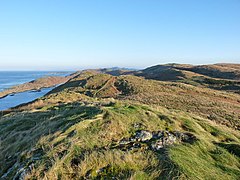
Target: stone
[(143, 136), (157, 145), (165, 139), (155, 140), (170, 139), (157, 134), (124, 141)]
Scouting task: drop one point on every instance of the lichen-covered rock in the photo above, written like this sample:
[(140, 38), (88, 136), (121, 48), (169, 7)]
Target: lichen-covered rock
[(155, 140), (143, 136), (165, 139), (157, 145)]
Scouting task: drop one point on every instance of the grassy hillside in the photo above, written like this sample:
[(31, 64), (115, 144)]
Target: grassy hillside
[(218, 76), (99, 126), (216, 105), (84, 140)]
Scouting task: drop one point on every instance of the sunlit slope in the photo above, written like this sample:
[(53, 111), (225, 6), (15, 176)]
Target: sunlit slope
[(218, 106), (99, 126), (96, 140), (224, 77)]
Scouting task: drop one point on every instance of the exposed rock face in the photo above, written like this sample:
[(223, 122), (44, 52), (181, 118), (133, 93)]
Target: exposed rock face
[(155, 140)]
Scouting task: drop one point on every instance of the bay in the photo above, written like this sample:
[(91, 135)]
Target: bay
[(12, 78)]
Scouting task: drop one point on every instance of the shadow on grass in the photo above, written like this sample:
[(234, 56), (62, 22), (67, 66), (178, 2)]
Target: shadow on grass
[(70, 84), (20, 132), (233, 148)]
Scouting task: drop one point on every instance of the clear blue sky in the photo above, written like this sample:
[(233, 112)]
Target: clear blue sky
[(74, 34)]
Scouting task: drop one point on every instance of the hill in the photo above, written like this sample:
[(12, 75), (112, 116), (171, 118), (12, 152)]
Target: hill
[(217, 76), (100, 126)]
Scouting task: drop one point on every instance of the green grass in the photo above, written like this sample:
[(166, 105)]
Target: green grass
[(69, 135), (76, 142)]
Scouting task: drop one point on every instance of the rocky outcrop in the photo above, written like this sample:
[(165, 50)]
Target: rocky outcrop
[(143, 136), (155, 140)]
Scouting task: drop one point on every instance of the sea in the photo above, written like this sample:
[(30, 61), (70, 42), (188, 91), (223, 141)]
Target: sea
[(12, 78)]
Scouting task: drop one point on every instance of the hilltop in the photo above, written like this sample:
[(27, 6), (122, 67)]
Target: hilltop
[(223, 76), (217, 76), (156, 123)]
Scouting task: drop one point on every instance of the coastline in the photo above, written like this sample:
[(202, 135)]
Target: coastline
[(30, 91), (37, 85), (21, 98)]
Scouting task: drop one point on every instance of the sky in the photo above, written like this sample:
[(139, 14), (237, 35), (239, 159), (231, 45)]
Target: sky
[(78, 34)]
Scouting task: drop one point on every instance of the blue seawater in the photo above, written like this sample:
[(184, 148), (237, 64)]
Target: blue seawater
[(12, 78)]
